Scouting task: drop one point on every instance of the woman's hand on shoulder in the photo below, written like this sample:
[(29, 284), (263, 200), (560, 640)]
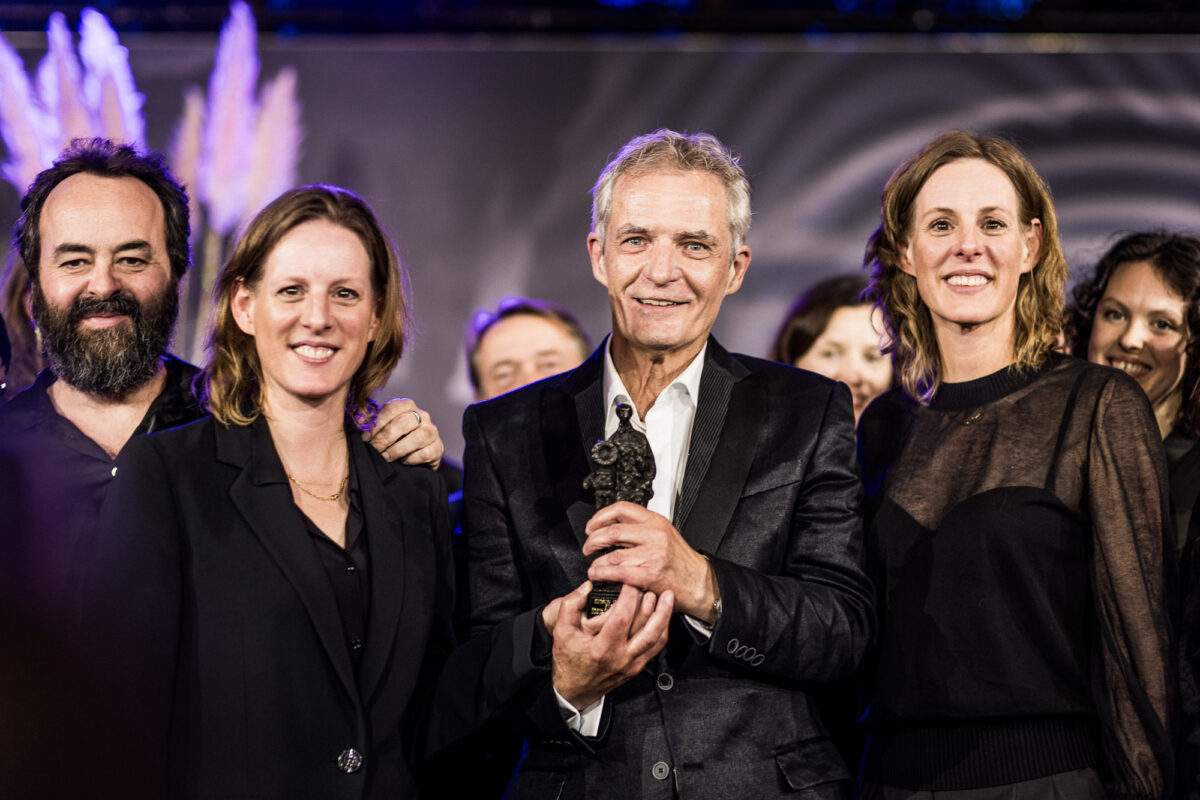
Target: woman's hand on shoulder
[(405, 433)]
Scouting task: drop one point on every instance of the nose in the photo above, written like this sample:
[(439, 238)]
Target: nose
[(968, 245), (1133, 337), (316, 312), (660, 265), (851, 373), (102, 280)]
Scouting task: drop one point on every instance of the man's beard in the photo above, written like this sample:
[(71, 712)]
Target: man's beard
[(108, 362)]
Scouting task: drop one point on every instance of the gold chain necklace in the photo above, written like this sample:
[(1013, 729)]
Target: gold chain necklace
[(334, 496)]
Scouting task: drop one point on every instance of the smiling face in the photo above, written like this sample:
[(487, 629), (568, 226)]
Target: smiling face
[(1141, 328), (104, 298), (967, 248), (848, 351), (312, 314), (667, 261), (520, 349)]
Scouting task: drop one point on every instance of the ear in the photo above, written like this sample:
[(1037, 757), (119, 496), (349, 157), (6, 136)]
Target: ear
[(741, 263), (596, 253), (373, 328), (242, 306), (1033, 245), (906, 261)]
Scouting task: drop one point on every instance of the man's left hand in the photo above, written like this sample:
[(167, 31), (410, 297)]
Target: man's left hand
[(406, 434), (651, 555)]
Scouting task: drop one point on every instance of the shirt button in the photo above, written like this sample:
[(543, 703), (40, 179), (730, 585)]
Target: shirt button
[(356, 644), (351, 570), (661, 770), (350, 760), (666, 682), (114, 472)]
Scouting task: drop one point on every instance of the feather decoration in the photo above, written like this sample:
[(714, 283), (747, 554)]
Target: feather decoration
[(183, 152), (277, 137), (229, 124), (108, 85), (58, 79), (22, 123)]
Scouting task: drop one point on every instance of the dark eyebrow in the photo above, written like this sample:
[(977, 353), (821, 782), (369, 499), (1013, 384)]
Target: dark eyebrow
[(136, 244), (701, 235), (71, 247), (627, 229)]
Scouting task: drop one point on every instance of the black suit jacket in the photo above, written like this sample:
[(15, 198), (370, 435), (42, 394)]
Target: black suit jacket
[(222, 636), (771, 493)]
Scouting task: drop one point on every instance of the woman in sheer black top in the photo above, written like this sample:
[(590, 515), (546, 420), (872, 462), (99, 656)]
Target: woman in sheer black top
[(1017, 513)]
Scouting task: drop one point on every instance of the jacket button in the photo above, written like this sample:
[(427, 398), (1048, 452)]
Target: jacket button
[(661, 770), (732, 646), (350, 761), (666, 682)]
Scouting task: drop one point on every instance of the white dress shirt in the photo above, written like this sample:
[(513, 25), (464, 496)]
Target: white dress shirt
[(668, 427)]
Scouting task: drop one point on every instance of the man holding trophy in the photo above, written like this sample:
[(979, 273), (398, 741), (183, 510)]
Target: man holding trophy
[(738, 585)]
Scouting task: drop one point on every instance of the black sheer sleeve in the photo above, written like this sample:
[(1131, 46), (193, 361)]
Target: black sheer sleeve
[(1135, 586)]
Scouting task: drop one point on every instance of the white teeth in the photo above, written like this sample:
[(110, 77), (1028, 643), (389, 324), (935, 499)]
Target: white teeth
[(1129, 366), (309, 351), (658, 303), (966, 280)]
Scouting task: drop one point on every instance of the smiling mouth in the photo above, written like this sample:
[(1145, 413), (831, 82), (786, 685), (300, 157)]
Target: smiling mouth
[(312, 352), (658, 303), (1134, 368), (967, 280)]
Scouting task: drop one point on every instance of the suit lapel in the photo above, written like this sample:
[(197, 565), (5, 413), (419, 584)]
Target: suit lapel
[(385, 521), (722, 448), (572, 418), (273, 517)]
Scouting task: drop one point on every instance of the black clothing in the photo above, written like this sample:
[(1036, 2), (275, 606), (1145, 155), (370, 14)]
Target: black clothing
[(769, 492), (224, 639), (53, 480), (1183, 471), (1019, 539)]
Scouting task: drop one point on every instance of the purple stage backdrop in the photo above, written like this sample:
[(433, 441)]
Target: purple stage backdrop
[(478, 152)]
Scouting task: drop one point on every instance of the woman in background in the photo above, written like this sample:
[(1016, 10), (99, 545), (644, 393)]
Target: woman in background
[(276, 597), (832, 331), (1017, 525), (1139, 311)]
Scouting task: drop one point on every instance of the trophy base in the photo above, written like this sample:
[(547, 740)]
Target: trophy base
[(602, 597)]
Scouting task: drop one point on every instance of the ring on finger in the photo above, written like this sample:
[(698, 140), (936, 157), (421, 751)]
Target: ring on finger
[(418, 413)]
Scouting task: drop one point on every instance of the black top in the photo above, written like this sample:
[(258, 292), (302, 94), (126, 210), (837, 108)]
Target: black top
[(1183, 470), (348, 567), (1019, 537), (53, 478)]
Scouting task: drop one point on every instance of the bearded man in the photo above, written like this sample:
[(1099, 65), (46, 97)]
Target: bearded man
[(104, 235)]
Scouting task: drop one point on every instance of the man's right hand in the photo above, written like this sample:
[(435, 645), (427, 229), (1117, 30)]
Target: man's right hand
[(591, 657)]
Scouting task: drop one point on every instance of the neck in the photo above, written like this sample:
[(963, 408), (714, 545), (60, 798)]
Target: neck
[(1166, 412), (108, 421), (307, 433), (970, 352), (646, 373)]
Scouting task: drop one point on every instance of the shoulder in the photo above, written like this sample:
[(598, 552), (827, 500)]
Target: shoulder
[(1103, 383), (782, 379), (187, 447), (23, 410)]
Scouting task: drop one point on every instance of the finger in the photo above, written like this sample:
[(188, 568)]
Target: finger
[(644, 612), (421, 446), (621, 511), (619, 618), (396, 419), (550, 613), (652, 637), (614, 535), (570, 611)]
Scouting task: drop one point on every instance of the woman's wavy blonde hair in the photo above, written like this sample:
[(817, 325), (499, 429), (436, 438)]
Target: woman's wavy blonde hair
[(231, 384), (1040, 292)]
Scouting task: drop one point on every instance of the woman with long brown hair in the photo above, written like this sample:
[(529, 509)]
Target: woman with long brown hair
[(275, 596), (1017, 519)]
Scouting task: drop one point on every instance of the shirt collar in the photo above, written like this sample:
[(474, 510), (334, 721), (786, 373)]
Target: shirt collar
[(688, 382)]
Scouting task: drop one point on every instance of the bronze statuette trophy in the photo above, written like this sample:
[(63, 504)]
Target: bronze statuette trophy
[(624, 471)]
